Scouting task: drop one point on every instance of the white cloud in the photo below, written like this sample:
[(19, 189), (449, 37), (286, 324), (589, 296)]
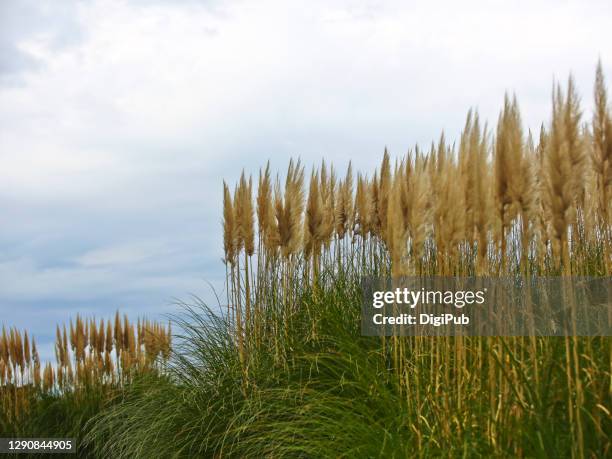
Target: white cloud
[(25, 279), (121, 254), (190, 79)]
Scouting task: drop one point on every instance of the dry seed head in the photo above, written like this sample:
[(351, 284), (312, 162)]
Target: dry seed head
[(266, 214), (4, 346), (245, 217), (140, 330), (530, 200), (363, 206), (73, 342), (229, 226), (472, 161), (264, 206), (59, 348), (12, 347), (126, 333), (508, 162), (150, 342), (348, 195), (85, 325), (374, 192), (272, 239), (564, 163), (344, 210), (295, 197), (396, 234), (108, 364), (59, 376), (100, 367), (403, 173), (48, 377), (313, 218), (436, 170), (543, 223), (282, 216), (37, 378), (11, 350), (9, 373), (131, 341), (328, 196), (441, 155), (167, 343), (81, 339), (324, 180), (108, 345), (65, 346), (384, 190), (483, 189), (101, 338), (420, 206), (118, 331), (602, 146), (289, 210), (26, 349), (36, 368), (449, 220), (18, 349), (93, 334), (524, 186)]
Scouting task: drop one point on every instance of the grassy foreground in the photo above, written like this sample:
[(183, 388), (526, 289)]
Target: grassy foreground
[(323, 390)]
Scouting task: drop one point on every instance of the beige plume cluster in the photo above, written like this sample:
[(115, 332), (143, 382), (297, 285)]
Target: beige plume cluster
[(500, 202), (89, 354), (464, 204)]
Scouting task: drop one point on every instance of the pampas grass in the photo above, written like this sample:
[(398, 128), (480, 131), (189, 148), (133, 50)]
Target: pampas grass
[(499, 204), (284, 370), (85, 371)]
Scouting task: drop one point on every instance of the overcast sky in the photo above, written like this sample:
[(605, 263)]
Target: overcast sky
[(119, 120)]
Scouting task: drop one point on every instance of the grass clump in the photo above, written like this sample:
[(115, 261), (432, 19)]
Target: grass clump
[(335, 393), (95, 361)]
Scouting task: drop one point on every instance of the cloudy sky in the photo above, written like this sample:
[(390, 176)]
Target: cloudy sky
[(119, 120)]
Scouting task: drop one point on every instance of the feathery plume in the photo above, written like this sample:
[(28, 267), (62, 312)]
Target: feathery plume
[(229, 227)]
